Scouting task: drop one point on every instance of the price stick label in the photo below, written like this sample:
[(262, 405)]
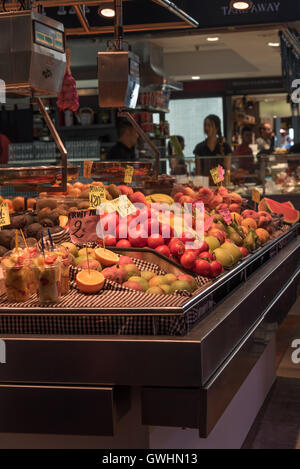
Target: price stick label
[(215, 175), (123, 206), (83, 226), (226, 215), (97, 196), (4, 215), (255, 196), (128, 174), (87, 169), (221, 172)]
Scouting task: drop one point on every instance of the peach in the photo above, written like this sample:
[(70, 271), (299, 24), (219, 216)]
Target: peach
[(178, 196), (249, 223), (126, 190), (188, 191), (205, 195), (263, 235), (266, 215), (185, 199), (235, 208), (222, 207), (250, 214), (215, 201), (138, 197), (235, 198)]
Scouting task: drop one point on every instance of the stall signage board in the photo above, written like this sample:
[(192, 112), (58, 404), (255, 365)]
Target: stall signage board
[(128, 174), (97, 196), (83, 226), (4, 215), (87, 169), (215, 175), (255, 196)]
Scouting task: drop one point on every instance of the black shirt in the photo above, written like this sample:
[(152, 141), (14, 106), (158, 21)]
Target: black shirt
[(202, 149), (121, 152)]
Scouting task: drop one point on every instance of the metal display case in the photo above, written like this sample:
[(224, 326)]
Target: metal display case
[(87, 384)]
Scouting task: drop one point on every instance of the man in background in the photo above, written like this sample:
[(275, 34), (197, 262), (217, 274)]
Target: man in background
[(244, 149), (265, 142), (124, 149)]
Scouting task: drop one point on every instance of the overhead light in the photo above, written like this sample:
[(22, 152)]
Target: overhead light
[(241, 5), (213, 39), (107, 10), (196, 78), (274, 44)]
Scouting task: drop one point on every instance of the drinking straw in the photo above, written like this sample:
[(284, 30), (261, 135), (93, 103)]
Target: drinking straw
[(87, 258), (42, 244), (24, 239), (51, 240)]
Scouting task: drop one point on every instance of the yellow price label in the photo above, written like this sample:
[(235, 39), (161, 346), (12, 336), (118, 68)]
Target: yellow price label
[(87, 169), (215, 175), (128, 174), (123, 206), (97, 196), (255, 196), (4, 215)]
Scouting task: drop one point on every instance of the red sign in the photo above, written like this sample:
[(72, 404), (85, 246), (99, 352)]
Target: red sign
[(82, 226), (226, 215), (221, 176)]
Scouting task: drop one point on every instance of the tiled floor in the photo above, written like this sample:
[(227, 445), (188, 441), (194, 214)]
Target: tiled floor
[(278, 424)]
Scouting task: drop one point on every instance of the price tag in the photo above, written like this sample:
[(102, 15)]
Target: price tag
[(221, 173), (97, 196), (4, 215), (128, 174), (87, 169), (215, 175), (255, 196), (82, 226), (123, 206), (226, 215)]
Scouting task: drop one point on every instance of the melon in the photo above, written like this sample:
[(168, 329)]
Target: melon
[(289, 204), (291, 215)]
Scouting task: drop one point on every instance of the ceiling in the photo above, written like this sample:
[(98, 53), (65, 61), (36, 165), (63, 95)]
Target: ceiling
[(241, 54)]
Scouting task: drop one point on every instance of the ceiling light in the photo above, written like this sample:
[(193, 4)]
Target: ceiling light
[(274, 44), (196, 78), (213, 39), (243, 5), (107, 10)]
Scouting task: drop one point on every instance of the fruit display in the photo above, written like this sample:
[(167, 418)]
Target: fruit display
[(47, 272), (19, 281)]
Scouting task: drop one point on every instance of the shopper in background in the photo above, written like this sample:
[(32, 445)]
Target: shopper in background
[(214, 145), (244, 149), (4, 144), (265, 142), (178, 166), (124, 150)]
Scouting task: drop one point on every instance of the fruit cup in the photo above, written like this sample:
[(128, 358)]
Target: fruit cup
[(65, 269), (19, 280), (47, 269)]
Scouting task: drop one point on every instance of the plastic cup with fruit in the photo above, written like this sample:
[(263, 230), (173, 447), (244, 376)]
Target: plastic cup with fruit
[(47, 269), (19, 280)]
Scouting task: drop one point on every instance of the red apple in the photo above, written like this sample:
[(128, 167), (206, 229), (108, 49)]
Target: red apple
[(216, 269), (164, 250), (138, 197), (155, 240), (244, 251), (123, 243), (138, 237), (188, 259), (202, 268), (176, 247), (209, 256)]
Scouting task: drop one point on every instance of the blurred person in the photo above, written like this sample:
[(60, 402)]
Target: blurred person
[(177, 163), (214, 145), (265, 141), (4, 144), (124, 149), (244, 149)]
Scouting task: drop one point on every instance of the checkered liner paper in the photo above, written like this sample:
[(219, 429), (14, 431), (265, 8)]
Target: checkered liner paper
[(78, 313)]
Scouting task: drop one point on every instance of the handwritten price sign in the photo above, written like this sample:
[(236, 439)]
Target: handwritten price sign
[(128, 174), (215, 173), (97, 196), (87, 169), (255, 196), (82, 226), (226, 215), (4, 215)]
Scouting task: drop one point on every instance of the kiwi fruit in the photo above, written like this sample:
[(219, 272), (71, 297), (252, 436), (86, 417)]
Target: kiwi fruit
[(34, 230), (114, 191), (47, 203), (83, 205), (3, 250), (54, 216), (5, 238), (47, 222), (85, 194), (18, 222), (44, 213), (108, 195), (61, 210)]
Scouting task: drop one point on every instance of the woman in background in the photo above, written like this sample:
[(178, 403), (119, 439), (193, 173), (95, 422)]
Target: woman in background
[(214, 146), (177, 163)]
